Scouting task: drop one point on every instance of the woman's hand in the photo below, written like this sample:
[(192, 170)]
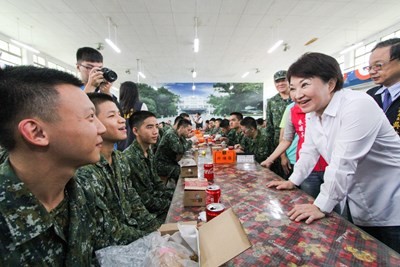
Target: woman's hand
[(308, 212), (286, 185)]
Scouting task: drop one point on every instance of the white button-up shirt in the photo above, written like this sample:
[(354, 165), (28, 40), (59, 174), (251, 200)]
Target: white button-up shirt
[(363, 153)]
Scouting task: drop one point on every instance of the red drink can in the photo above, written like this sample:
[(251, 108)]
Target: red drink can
[(213, 194), (209, 171), (213, 210)]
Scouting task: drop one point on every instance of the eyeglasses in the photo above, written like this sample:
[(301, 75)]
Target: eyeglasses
[(377, 66)]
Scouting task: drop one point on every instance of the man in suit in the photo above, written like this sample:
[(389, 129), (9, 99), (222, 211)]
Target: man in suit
[(384, 68)]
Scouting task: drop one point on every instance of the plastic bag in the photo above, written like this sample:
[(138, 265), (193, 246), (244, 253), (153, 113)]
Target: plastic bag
[(151, 250)]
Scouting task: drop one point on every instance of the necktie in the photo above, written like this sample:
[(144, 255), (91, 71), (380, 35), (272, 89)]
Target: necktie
[(387, 100)]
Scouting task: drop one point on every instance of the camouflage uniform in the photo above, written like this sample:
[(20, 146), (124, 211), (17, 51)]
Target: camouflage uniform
[(234, 137), (260, 146), (245, 142), (276, 106), (32, 236), (3, 155), (146, 181), (216, 131), (169, 152), (187, 143), (122, 203), (161, 132)]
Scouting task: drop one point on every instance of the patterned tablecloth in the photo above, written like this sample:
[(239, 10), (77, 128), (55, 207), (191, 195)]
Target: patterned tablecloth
[(276, 240)]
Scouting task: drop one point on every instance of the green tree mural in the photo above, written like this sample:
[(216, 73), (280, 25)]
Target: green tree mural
[(162, 102), (239, 98)]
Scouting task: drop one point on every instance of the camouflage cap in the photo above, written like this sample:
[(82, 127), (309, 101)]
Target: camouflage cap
[(280, 75)]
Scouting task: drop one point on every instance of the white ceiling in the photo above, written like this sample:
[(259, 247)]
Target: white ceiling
[(235, 35)]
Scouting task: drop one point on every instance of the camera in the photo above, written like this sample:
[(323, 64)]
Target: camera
[(109, 75)]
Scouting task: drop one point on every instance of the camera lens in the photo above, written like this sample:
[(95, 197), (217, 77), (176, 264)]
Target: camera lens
[(109, 75)]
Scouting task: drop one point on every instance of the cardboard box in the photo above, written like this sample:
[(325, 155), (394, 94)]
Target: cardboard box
[(221, 239), (216, 148), (188, 167), (194, 192), (171, 228)]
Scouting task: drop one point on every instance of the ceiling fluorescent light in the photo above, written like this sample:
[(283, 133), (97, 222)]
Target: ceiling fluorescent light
[(113, 46), (193, 87), (245, 74), (196, 45), (108, 40), (350, 48), (196, 42), (27, 47), (142, 75), (194, 74), (231, 87), (275, 46)]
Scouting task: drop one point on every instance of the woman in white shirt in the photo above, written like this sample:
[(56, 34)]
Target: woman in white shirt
[(350, 131)]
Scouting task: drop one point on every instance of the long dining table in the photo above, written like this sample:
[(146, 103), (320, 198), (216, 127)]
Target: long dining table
[(276, 240)]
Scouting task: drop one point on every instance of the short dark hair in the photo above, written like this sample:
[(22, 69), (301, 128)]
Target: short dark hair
[(317, 65), (177, 119), (184, 114), (249, 122), (238, 115), (224, 123), (218, 119), (260, 121), (183, 123), (28, 91), (138, 117), (98, 99), (394, 44), (207, 121), (88, 54), (212, 119)]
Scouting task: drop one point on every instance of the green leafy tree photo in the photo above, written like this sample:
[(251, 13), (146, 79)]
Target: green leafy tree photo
[(242, 97), (162, 102)]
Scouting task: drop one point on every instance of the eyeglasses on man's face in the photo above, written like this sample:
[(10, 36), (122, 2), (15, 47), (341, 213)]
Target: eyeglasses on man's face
[(377, 66)]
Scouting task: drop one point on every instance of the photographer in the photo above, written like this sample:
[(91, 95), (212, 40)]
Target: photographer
[(95, 78)]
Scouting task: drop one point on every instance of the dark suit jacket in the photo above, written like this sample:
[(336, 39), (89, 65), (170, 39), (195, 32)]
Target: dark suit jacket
[(393, 110)]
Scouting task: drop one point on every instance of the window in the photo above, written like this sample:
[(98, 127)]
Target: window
[(362, 55), (14, 49), (10, 59), (389, 36), (51, 65), (340, 60), (10, 54), (39, 61)]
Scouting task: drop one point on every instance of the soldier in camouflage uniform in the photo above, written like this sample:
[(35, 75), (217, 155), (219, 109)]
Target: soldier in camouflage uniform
[(276, 105), (211, 126), (256, 141), (216, 129), (109, 177), (235, 135), (224, 131), (155, 196), (49, 128), (170, 151)]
